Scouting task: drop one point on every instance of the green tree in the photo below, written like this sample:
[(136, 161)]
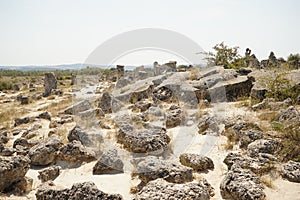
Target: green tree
[(226, 56), (294, 60)]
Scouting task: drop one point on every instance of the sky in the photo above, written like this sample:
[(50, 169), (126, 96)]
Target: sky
[(52, 32)]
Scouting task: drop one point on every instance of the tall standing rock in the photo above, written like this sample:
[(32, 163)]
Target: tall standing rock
[(50, 83)]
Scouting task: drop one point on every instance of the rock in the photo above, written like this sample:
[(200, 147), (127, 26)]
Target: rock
[(75, 152), (24, 100), (208, 124), (174, 117), (143, 141), (141, 106), (161, 189), (262, 146), (231, 90), (4, 137), (196, 161), (122, 82), (22, 142), (152, 168), (12, 171), (44, 115), (244, 71), (24, 186), (7, 152), (290, 114), (19, 121), (16, 87), (73, 79), (50, 173), (246, 132), (109, 163), (241, 184), (78, 107), (45, 152), (291, 171), (262, 163), (258, 92), (80, 135), (105, 102), (85, 190), (50, 83)]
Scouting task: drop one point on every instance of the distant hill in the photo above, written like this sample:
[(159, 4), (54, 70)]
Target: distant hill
[(76, 66)]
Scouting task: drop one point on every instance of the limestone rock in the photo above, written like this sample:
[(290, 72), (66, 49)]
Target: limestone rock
[(12, 171), (85, 190), (49, 173), (109, 163), (45, 152), (75, 152), (50, 83), (19, 121), (152, 168), (196, 161), (241, 184), (262, 146), (162, 190), (105, 102), (291, 171), (80, 135)]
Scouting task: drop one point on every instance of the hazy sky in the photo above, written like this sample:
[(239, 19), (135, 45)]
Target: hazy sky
[(60, 31)]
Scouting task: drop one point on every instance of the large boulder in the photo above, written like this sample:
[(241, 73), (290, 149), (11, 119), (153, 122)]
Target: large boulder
[(86, 190), (50, 83), (45, 152), (151, 168), (196, 161), (174, 117), (12, 171), (262, 146), (291, 171), (105, 102), (161, 189), (262, 163), (75, 152), (80, 135), (109, 163), (49, 173), (144, 140), (241, 184)]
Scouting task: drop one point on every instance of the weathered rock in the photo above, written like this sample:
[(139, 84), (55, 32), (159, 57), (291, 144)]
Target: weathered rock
[(262, 146), (16, 87), (44, 115), (50, 173), (290, 114), (152, 168), (196, 161), (24, 186), (141, 106), (12, 171), (174, 117), (75, 152), (19, 121), (143, 141), (86, 190), (105, 102), (80, 135), (263, 162), (244, 71), (258, 92), (4, 137), (78, 107), (91, 114), (232, 89), (109, 163), (160, 189), (246, 132), (241, 184), (45, 152), (50, 83), (208, 124), (24, 100), (291, 171), (22, 142)]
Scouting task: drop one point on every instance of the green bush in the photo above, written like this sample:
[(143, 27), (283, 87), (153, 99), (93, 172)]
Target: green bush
[(5, 85)]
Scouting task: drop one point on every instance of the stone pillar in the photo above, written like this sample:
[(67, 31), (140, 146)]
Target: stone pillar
[(50, 83)]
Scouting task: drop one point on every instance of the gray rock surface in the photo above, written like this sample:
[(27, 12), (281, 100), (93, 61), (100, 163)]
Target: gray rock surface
[(262, 146), (12, 171), (50, 173), (291, 171), (109, 163), (80, 135), (241, 184), (45, 152), (85, 190), (78, 107), (196, 161), (162, 190), (105, 102), (50, 83)]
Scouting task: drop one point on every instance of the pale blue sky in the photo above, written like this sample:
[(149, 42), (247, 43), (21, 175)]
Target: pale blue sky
[(67, 31)]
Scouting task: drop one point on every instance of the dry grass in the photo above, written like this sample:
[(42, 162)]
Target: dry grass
[(55, 107), (8, 113), (267, 181)]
